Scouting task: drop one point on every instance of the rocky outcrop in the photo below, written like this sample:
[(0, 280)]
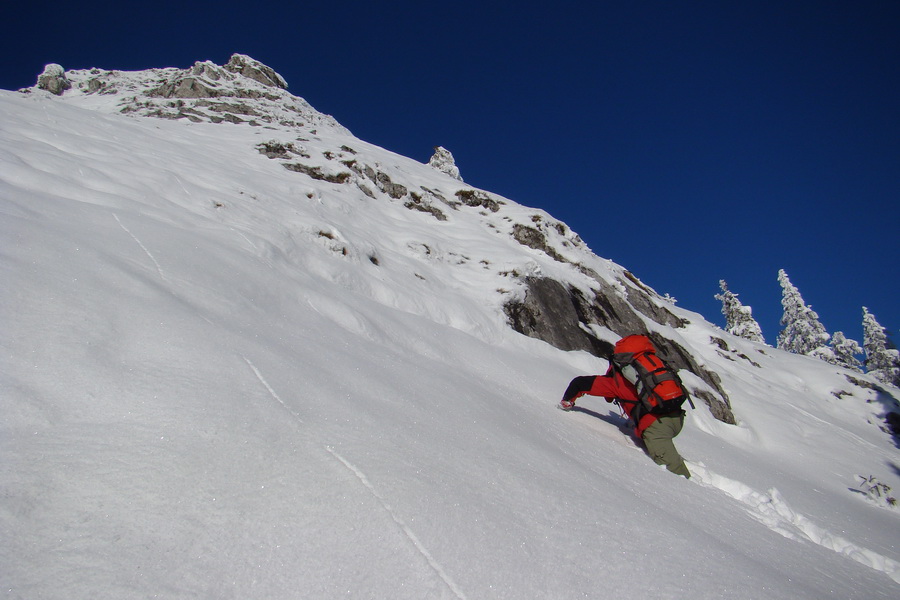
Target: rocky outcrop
[(241, 91), (386, 185), (53, 80), (565, 318), (208, 80), (477, 198), (255, 70), (535, 239), (421, 204), (638, 297), (317, 173), (443, 161)]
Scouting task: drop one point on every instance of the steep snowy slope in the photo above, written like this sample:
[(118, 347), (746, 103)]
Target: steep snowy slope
[(261, 358)]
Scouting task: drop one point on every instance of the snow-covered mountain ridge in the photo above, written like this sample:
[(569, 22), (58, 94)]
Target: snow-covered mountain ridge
[(245, 91), (241, 91), (244, 304)]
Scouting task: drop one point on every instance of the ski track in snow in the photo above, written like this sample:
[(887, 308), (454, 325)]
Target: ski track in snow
[(403, 526), (248, 240), (268, 387), (772, 510), (365, 481), (143, 247), (181, 185)]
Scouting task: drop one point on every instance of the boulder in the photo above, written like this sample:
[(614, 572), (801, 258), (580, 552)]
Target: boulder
[(53, 79)]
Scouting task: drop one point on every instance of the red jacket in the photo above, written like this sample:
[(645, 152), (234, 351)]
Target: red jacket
[(612, 386)]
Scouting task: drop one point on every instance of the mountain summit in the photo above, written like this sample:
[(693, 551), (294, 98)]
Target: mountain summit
[(243, 90), (248, 354)]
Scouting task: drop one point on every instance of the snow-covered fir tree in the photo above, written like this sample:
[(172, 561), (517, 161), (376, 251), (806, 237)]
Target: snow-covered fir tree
[(739, 319), (802, 332), (882, 362), (841, 351)]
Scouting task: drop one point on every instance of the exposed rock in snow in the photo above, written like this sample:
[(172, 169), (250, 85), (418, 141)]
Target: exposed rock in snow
[(443, 161), (242, 91), (53, 79), (564, 317), (255, 70), (208, 80), (477, 198)]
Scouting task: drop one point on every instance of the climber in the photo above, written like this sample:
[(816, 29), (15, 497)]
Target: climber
[(648, 391)]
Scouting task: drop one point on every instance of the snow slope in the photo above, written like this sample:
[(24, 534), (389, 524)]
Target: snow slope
[(222, 378)]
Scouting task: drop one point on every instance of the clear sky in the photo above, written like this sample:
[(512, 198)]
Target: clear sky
[(688, 141)]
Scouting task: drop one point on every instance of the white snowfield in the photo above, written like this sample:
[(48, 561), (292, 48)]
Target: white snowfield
[(225, 379)]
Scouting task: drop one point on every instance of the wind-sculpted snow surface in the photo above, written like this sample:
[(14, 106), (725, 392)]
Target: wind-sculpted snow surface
[(225, 378), (773, 511)]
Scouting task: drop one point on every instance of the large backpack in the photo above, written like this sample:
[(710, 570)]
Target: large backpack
[(658, 386)]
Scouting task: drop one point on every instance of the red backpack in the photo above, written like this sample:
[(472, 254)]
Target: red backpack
[(659, 389)]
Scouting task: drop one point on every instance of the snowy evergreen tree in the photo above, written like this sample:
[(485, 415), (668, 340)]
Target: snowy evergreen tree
[(882, 362), (842, 352), (739, 319), (802, 332), (846, 350)]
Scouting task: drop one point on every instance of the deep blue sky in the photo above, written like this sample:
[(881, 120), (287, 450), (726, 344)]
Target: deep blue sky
[(688, 141)]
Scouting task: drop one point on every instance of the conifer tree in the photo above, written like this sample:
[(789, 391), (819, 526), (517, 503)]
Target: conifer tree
[(882, 362), (802, 332), (842, 352), (739, 319)]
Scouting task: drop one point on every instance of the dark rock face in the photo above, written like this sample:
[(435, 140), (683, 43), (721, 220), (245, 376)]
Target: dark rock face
[(477, 198), (561, 317), (550, 313), (394, 190), (535, 239)]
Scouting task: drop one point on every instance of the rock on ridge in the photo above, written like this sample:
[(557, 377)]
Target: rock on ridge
[(243, 90), (209, 80), (53, 79), (442, 160), (248, 67)]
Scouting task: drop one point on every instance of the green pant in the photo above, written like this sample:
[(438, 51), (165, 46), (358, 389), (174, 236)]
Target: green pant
[(658, 440)]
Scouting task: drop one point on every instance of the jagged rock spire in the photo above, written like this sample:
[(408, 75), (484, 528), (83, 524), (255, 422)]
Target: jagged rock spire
[(442, 160)]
